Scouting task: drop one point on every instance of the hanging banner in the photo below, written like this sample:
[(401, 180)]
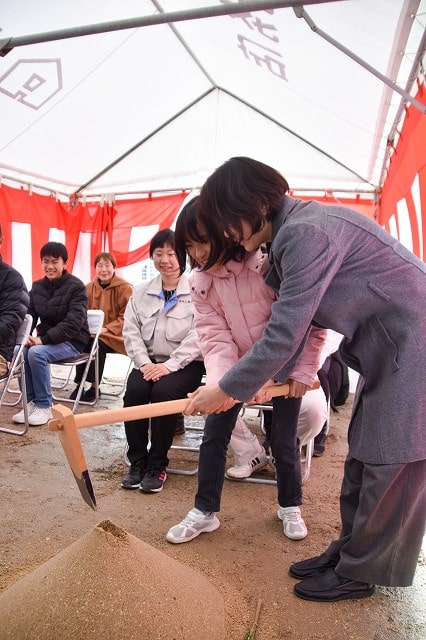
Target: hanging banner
[(402, 208), (40, 218)]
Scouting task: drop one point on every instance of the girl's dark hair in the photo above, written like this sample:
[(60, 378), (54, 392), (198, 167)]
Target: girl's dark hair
[(105, 255), (54, 249), (162, 238), (239, 190), (189, 228)]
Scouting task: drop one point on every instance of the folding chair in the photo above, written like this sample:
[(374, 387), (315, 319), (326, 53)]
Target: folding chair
[(120, 385), (306, 457), (17, 371), (95, 319)]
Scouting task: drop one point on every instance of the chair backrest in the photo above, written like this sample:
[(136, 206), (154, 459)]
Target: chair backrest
[(95, 320), (24, 330), (21, 339)]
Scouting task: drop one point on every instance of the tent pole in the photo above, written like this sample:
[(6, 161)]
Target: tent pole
[(7, 44), (393, 130), (301, 13)]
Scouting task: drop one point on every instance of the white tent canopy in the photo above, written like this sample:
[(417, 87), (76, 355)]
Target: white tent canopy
[(158, 108)]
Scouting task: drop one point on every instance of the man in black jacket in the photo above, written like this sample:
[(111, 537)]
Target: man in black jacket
[(13, 307), (58, 303)]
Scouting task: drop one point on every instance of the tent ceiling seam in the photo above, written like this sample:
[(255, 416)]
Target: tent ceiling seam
[(296, 135), (141, 142), (185, 45)]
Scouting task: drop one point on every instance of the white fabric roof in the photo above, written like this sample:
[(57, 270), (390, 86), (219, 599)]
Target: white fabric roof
[(185, 97)]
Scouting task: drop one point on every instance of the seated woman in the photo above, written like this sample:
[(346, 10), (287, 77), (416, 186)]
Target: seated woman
[(110, 293), (232, 305), (160, 338)]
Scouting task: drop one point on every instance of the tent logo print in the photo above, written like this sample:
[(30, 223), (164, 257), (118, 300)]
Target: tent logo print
[(32, 82)]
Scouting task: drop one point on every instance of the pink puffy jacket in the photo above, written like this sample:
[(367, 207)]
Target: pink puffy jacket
[(232, 306)]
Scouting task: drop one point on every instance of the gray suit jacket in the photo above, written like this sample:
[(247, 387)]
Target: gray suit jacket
[(336, 268)]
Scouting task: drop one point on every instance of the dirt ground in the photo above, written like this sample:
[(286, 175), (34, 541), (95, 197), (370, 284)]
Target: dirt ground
[(246, 559)]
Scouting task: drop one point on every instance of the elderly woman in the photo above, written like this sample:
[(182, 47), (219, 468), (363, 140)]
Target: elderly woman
[(160, 338), (110, 293)]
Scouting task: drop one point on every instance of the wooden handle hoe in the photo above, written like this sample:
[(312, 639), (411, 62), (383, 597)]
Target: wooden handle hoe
[(66, 425)]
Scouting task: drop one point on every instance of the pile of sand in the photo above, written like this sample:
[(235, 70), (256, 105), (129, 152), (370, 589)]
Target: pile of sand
[(109, 584)]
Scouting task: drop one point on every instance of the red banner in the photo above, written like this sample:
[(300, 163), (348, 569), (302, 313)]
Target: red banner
[(108, 225), (404, 191)]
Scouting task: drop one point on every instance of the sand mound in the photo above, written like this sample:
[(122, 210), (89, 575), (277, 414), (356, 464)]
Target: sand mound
[(109, 584)]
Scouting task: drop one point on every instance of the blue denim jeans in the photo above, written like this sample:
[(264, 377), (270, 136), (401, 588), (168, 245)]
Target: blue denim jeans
[(37, 370), (284, 446)]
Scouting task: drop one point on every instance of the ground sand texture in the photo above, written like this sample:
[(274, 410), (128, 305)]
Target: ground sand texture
[(245, 560)]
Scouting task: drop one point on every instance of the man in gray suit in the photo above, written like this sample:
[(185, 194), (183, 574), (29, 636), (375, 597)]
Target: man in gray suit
[(335, 268)]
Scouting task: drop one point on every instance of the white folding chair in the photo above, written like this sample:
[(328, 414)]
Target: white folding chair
[(17, 371), (118, 383), (95, 319)]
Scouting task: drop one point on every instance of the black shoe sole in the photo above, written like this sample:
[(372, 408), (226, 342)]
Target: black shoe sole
[(318, 454), (354, 595), (132, 486), (151, 490)]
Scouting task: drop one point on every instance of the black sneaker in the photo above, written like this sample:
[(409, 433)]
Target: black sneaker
[(133, 478), (180, 425), (89, 395), (153, 480), (73, 395), (319, 442)]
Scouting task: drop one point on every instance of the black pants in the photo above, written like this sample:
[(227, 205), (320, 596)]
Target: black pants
[(103, 350), (284, 445), (174, 386)]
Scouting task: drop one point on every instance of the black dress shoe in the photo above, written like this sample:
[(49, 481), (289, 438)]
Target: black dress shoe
[(330, 587), (312, 567)]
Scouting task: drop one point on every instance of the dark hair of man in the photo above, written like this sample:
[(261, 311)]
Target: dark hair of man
[(165, 237), (104, 255), (189, 228), (54, 249), (241, 189)]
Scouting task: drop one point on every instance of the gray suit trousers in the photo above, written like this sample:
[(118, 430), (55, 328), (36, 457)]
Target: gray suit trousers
[(383, 511)]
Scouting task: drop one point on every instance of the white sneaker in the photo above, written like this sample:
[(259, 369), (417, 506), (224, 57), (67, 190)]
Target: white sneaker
[(194, 523), (293, 525), (20, 417), (245, 470), (39, 416)]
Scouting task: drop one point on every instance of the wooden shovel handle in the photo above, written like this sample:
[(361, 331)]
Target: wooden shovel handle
[(152, 410)]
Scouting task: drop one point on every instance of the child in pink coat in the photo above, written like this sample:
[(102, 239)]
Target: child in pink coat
[(232, 305)]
